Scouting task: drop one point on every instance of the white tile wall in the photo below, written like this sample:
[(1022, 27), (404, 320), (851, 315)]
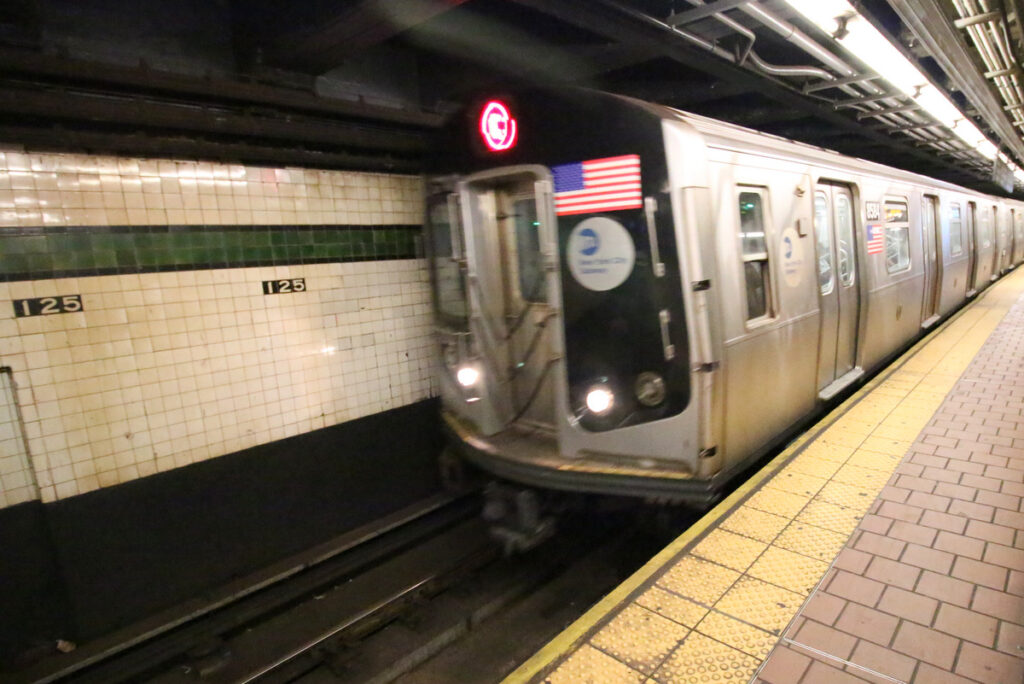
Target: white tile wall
[(17, 481), (165, 369), (86, 190)]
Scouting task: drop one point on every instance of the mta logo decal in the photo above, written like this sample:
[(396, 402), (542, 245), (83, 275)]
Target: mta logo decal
[(788, 246), (591, 243)]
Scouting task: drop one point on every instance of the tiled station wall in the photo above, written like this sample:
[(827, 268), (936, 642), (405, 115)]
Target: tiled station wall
[(17, 483), (177, 354)]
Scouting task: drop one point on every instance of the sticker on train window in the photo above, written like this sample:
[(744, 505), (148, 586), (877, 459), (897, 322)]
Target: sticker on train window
[(895, 212), (601, 253), (598, 185), (876, 239)]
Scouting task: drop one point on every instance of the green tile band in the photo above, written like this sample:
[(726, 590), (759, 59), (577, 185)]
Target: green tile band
[(38, 253)]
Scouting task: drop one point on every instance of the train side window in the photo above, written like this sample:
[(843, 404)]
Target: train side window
[(956, 231), (897, 237), (826, 275), (756, 271)]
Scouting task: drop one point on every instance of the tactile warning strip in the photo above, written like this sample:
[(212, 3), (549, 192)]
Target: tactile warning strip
[(709, 607)]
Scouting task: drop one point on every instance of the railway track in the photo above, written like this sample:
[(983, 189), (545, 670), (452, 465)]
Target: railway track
[(449, 609), (424, 595)]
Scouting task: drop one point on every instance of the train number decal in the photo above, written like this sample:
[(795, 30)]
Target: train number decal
[(873, 211), (44, 306), (284, 285)]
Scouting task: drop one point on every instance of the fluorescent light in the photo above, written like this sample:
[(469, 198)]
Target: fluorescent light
[(871, 47)]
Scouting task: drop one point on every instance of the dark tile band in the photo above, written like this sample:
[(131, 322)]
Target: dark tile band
[(39, 253)]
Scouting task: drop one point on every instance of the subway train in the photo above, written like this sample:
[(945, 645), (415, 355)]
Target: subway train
[(634, 300)]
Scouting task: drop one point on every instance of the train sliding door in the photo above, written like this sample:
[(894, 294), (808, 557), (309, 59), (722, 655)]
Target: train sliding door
[(972, 248), (838, 287), (931, 234)]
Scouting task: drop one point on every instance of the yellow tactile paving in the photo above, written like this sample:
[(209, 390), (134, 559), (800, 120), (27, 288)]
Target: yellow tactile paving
[(793, 571), (833, 517), (874, 460), (677, 608), (824, 451), (755, 524), (739, 635), (702, 659), (699, 580), (814, 467), (728, 549), (798, 483), (860, 476), (639, 638), (760, 603), (854, 497), (591, 666), (713, 617), (811, 541), (778, 502)]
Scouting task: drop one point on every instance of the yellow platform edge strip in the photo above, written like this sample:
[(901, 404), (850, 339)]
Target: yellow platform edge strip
[(574, 633)]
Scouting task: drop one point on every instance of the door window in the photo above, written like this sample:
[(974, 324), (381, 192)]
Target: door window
[(530, 260), (844, 234), (826, 274), (754, 250), (897, 237), (956, 231)]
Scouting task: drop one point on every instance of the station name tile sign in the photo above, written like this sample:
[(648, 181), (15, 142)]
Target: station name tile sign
[(284, 285), (44, 306)]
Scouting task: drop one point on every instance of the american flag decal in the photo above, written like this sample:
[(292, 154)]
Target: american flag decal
[(876, 239), (608, 184)]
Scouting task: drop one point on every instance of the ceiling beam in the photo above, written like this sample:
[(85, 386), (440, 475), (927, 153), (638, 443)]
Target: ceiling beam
[(71, 107), (617, 22), (927, 20), (354, 28), (53, 69)]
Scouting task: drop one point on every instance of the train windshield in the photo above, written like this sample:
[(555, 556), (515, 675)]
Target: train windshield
[(447, 260)]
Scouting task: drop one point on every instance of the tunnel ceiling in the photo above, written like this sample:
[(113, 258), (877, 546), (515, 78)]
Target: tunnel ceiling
[(362, 83)]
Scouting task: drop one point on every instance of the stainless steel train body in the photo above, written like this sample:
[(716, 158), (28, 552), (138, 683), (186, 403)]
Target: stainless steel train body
[(651, 336)]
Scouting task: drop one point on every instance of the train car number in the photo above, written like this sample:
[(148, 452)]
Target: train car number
[(282, 286), (44, 306)]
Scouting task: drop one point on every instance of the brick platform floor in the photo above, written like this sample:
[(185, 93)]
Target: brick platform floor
[(930, 586)]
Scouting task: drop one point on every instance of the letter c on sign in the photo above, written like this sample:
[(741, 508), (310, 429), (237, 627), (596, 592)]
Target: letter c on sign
[(497, 127)]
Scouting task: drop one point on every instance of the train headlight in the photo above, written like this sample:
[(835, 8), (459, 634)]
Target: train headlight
[(600, 400), (467, 376), (649, 388)]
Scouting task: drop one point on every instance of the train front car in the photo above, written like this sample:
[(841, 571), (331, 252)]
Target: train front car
[(563, 303)]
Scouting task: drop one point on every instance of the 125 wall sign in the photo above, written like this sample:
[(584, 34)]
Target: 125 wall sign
[(284, 285), (44, 306)]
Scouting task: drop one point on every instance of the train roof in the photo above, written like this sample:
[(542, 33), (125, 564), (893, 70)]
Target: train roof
[(730, 136)]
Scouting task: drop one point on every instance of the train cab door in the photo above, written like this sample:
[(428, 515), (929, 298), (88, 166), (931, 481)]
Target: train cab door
[(838, 287), (972, 248), (931, 234), (526, 308)]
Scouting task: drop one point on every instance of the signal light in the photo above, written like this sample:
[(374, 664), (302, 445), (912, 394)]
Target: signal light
[(497, 127)]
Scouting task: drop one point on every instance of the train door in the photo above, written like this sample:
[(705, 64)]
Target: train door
[(507, 214), (996, 240), (838, 287), (1018, 236), (972, 247), (526, 307), (931, 233)]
